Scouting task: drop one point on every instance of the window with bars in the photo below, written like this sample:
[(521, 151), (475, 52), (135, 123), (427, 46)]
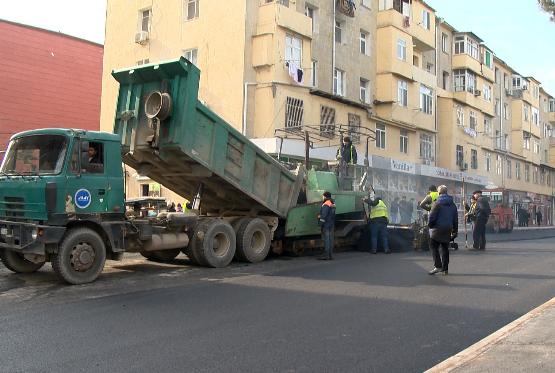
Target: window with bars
[(380, 135), (354, 127), (404, 141), (327, 121), (294, 111)]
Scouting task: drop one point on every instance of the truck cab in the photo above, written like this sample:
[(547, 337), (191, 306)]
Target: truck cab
[(53, 181)]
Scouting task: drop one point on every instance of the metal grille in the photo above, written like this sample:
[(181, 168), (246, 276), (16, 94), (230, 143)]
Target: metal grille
[(14, 206), (294, 110), (327, 122), (354, 128)]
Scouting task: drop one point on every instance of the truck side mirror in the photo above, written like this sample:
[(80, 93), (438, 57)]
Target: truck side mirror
[(84, 155)]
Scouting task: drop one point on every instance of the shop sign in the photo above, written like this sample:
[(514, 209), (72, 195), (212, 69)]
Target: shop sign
[(401, 166)]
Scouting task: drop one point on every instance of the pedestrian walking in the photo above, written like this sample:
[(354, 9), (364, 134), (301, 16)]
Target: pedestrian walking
[(378, 221), (539, 217), (326, 220), (171, 207), (443, 223), (394, 210), (479, 216)]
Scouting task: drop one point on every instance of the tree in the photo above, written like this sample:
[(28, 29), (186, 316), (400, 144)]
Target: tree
[(549, 7)]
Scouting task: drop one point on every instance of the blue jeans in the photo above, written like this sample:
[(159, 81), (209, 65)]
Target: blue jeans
[(327, 237), (378, 230)]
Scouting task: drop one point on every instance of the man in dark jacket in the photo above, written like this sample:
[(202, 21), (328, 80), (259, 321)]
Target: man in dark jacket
[(443, 223), (326, 219), (480, 217), (347, 152)]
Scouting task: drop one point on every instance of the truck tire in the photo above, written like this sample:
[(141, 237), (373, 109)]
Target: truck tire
[(81, 256), (253, 241), (191, 250), (213, 243), (15, 262), (161, 255)]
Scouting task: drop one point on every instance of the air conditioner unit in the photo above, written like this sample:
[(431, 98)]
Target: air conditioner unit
[(508, 92), (524, 87), (477, 92), (141, 37)]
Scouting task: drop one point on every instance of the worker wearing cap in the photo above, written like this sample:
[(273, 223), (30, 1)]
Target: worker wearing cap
[(378, 220), (347, 151), (326, 220), (431, 197)]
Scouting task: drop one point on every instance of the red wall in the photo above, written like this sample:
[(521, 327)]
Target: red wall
[(47, 79)]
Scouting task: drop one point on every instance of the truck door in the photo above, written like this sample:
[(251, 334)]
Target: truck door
[(86, 183)]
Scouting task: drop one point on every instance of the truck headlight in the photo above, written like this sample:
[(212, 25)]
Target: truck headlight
[(34, 234), (4, 231)]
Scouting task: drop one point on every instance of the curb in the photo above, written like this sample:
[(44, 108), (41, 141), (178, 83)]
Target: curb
[(466, 356)]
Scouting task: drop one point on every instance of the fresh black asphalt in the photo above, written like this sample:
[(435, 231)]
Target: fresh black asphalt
[(358, 313)]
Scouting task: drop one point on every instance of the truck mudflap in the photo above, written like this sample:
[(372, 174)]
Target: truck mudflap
[(28, 238)]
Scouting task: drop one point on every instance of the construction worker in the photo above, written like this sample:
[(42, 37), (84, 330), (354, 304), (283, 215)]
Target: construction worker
[(378, 221), (326, 220), (347, 152), (431, 197), (443, 224), (480, 216)]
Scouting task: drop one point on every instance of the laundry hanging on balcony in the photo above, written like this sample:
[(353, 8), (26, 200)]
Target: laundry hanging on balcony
[(295, 72), (347, 7)]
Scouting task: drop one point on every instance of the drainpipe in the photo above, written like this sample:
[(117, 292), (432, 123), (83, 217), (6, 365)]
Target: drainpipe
[(245, 106), (333, 45), (437, 77)]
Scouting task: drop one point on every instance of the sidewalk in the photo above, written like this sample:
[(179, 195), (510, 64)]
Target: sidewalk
[(526, 344)]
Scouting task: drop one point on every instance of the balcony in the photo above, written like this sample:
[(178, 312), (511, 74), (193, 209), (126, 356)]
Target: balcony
[(465, 61), (272, 14), (392, 17), (476, 101), (422, 76)]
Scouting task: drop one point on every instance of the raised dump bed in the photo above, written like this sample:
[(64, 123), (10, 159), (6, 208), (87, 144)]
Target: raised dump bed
[(168, 135)]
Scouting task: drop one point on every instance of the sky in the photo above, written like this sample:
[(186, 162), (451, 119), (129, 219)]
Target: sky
[(516, 30)]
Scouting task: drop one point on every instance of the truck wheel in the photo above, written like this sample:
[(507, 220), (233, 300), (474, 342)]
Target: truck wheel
[(253, 241), (81, 256), (15, 262), (213, 243), (161, 255)]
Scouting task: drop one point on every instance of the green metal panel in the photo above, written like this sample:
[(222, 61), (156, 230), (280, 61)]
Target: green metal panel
[(196, 146)]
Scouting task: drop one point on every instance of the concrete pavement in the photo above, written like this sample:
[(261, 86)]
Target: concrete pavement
[(526, 344)]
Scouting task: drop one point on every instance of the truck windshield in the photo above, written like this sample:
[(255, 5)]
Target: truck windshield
[(35, 155)]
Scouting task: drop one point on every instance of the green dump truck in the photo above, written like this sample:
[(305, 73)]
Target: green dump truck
[(62, 190)]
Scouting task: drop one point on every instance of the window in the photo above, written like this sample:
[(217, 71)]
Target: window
[(474, 159), (499, 165), (535, 175), (143, 61), (526, 113), (338, 31), (314, 74), (506, 111), (404, 142), (311, 12), (464, 80), (536, 147), (426, 19), (497, 75), (517, 170), (364, 42), (472, 48), (536, 91), (293, 50), (460, 115), (506, 81), (488, 59), (487, 126), (487, 93), (526, 140), (488, 161), (527, 172), (96, 158), (509, 169), (497, 107), (192, 9), (536, 116), (380, 135), (546, 129), (401, 49), (464, 44), (459, 155), (327, 121), (402, 93), (445, 84), (294, 111), (339, 82), (552, 105), (364, 94), (445, 43), (354, 127), (473, 120), (146, 19), (459, 44), (426, 146), (191, 55), (426, 100)]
